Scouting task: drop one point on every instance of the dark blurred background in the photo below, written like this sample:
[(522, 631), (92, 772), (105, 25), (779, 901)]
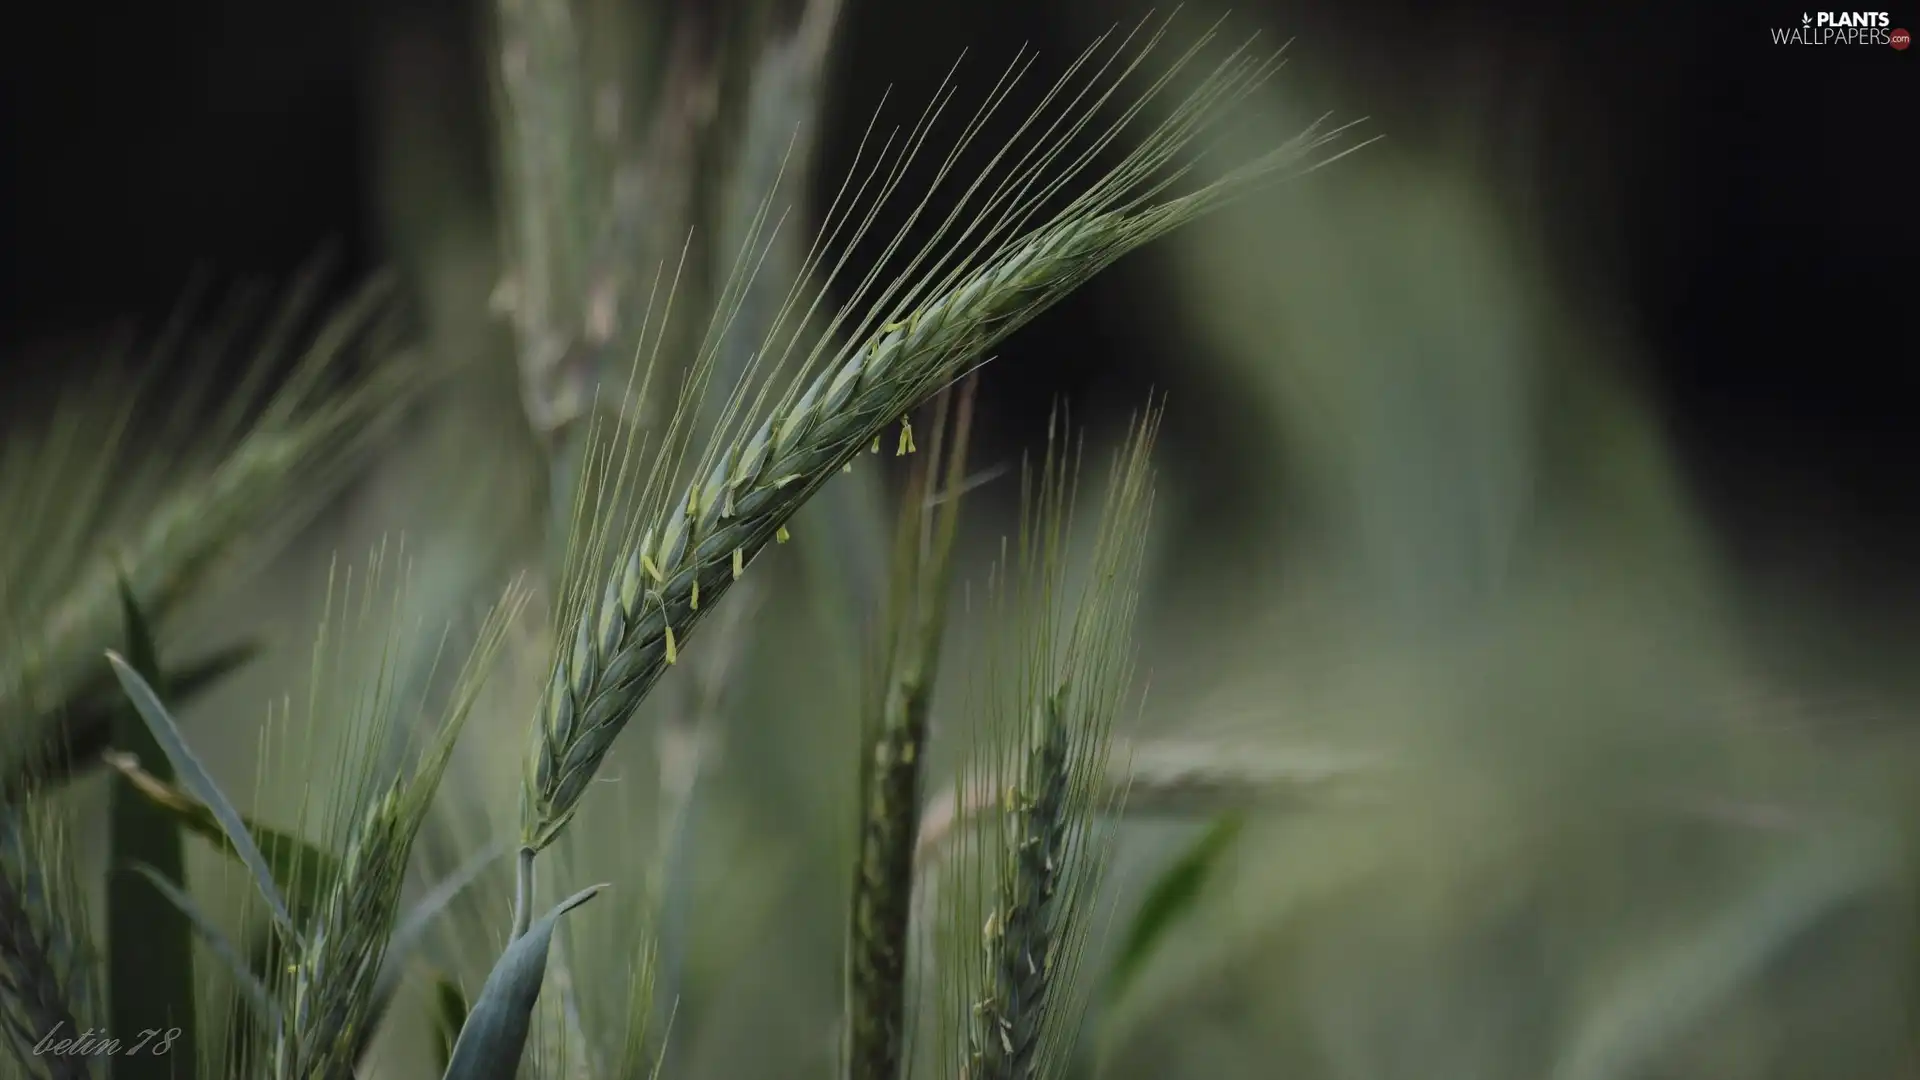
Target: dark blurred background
[(1747, 210)]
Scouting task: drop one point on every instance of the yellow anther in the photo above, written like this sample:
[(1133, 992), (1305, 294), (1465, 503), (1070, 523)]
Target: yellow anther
[(653, 571), (781, 535), (738, 565), (906, 438), (694, 603), (876, 445), (673, 653)]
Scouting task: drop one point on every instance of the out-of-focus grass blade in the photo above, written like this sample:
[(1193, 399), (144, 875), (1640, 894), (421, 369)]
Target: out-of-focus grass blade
[(250, 985), (1661, 999), (495, 1034), (150, 942), (1170, 900), (83, 727), (167, 734), (302, 870), (450, 1009)]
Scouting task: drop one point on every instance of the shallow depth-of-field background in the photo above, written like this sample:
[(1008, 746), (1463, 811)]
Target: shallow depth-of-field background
[(1534, 527)]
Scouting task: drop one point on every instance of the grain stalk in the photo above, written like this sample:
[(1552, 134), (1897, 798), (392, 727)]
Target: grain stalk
[(895, 761), (625, 130), (641, 581)]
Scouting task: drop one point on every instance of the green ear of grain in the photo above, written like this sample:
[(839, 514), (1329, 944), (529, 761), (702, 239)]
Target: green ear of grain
[(167, 734), (150, 985), (46, 950), (1170, 900), (251, 988), (410, 931), (643, 578), (1017, 906), (450, 1008), (495, 1033)]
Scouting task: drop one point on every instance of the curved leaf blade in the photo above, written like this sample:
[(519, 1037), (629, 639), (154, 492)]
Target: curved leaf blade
[(250, 985), (1170, 900), (151, 985), (495, 1034), (194, 775), (304, 871), (450, 1009)]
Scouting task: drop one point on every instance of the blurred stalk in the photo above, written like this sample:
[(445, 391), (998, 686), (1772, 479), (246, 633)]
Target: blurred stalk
[(464, 480), (639, 142)]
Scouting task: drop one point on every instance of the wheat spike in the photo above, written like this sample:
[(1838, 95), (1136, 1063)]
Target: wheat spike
[(928, 325), (1020, 932), (328, 991), (44, 961), (1016, 919)]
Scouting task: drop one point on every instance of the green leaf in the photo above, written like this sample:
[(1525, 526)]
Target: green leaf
[(1170, 900), (303, 871), (150, 980), (495, 1034), (250, 985), (196, 779), (450, 1008)]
